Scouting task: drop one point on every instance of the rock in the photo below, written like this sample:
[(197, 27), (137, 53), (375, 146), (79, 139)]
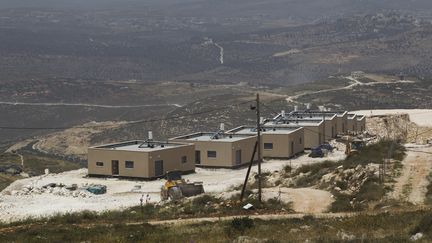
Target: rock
[(305, 227), (345, 236), (416, 237), (294, 230), (12, 171), (247, 239), (338, 189)]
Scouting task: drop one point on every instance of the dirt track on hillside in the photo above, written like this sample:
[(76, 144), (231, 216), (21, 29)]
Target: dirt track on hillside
[(411, 185)]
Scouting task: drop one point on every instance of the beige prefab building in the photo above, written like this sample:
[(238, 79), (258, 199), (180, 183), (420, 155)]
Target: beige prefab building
[(356, 123), (352, 123), (313, 129), (330, 121), (140, 159), (221, 149), (342, 122), (361, 123), (277, 142)]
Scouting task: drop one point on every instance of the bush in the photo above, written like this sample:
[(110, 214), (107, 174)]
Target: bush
[(341, 204), (241, 224), (424, 226), (429, 190), (204, 199), (371, 191), (376, 153), (315, 168), (314, 172)]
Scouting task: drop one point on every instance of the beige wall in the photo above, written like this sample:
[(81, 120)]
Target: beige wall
[(225, 151), (247, 147), (361, 124), (107, 155), (142, 167), (342, 124), (352, 124), (313, 135), (330, 128), (172, 159), (282, 144)]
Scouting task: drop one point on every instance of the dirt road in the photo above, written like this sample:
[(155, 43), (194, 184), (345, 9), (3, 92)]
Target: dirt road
[(304, 200), (411, 185), (354, 82)]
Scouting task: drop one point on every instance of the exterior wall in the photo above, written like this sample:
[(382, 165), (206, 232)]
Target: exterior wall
[(143, 161), (247, 147), (313, 136), (342, 124), (282, 144), (107, 155), (330, 129), (361, 125), (352, 124), (225, 151), (172, 159)]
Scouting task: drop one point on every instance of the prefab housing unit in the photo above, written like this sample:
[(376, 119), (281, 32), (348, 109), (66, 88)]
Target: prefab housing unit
[(352, 123), (341, 120), (140, 159), (330, 121), (313, 129), (221, 149), (277, 142), (361, 123)]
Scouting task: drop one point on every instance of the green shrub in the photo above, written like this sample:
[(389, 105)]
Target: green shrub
[(342, 203), (376, 153), (371, 190), (241, 224), (424, 226)]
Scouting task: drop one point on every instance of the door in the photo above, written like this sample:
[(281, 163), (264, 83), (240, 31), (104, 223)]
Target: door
[(159, 169), (197, 157), (238, 157), (115, 167), (292, 148)]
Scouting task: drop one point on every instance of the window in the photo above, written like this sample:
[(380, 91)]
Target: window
[(184, 159), (300, 140), (268, 146), (129, 164), (99, 163), (211, 154)]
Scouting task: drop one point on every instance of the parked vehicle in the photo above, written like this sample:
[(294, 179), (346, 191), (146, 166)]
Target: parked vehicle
[(176, 188)]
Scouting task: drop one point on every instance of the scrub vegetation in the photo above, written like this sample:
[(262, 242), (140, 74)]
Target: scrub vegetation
[(385, 227)]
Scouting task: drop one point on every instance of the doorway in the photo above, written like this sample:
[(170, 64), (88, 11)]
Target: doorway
[(115, 167), (197, 157), (238, 157), (159, 168)]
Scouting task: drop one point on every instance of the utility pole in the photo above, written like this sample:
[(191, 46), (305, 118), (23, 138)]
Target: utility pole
[(324, 123), (258, 115)]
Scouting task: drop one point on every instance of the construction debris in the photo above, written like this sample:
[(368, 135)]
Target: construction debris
[(60, 189)]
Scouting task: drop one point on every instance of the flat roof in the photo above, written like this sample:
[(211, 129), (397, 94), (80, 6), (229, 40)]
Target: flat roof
[(214, 137), (327, 116), (320, 113), (294, 122), (140, 146), (352, 116), (265, 130)]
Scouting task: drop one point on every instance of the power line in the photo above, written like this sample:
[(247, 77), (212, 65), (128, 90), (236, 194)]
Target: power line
[(127, 123)]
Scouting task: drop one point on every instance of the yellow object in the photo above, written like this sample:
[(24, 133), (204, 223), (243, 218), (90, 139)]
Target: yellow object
[(170, 184)]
